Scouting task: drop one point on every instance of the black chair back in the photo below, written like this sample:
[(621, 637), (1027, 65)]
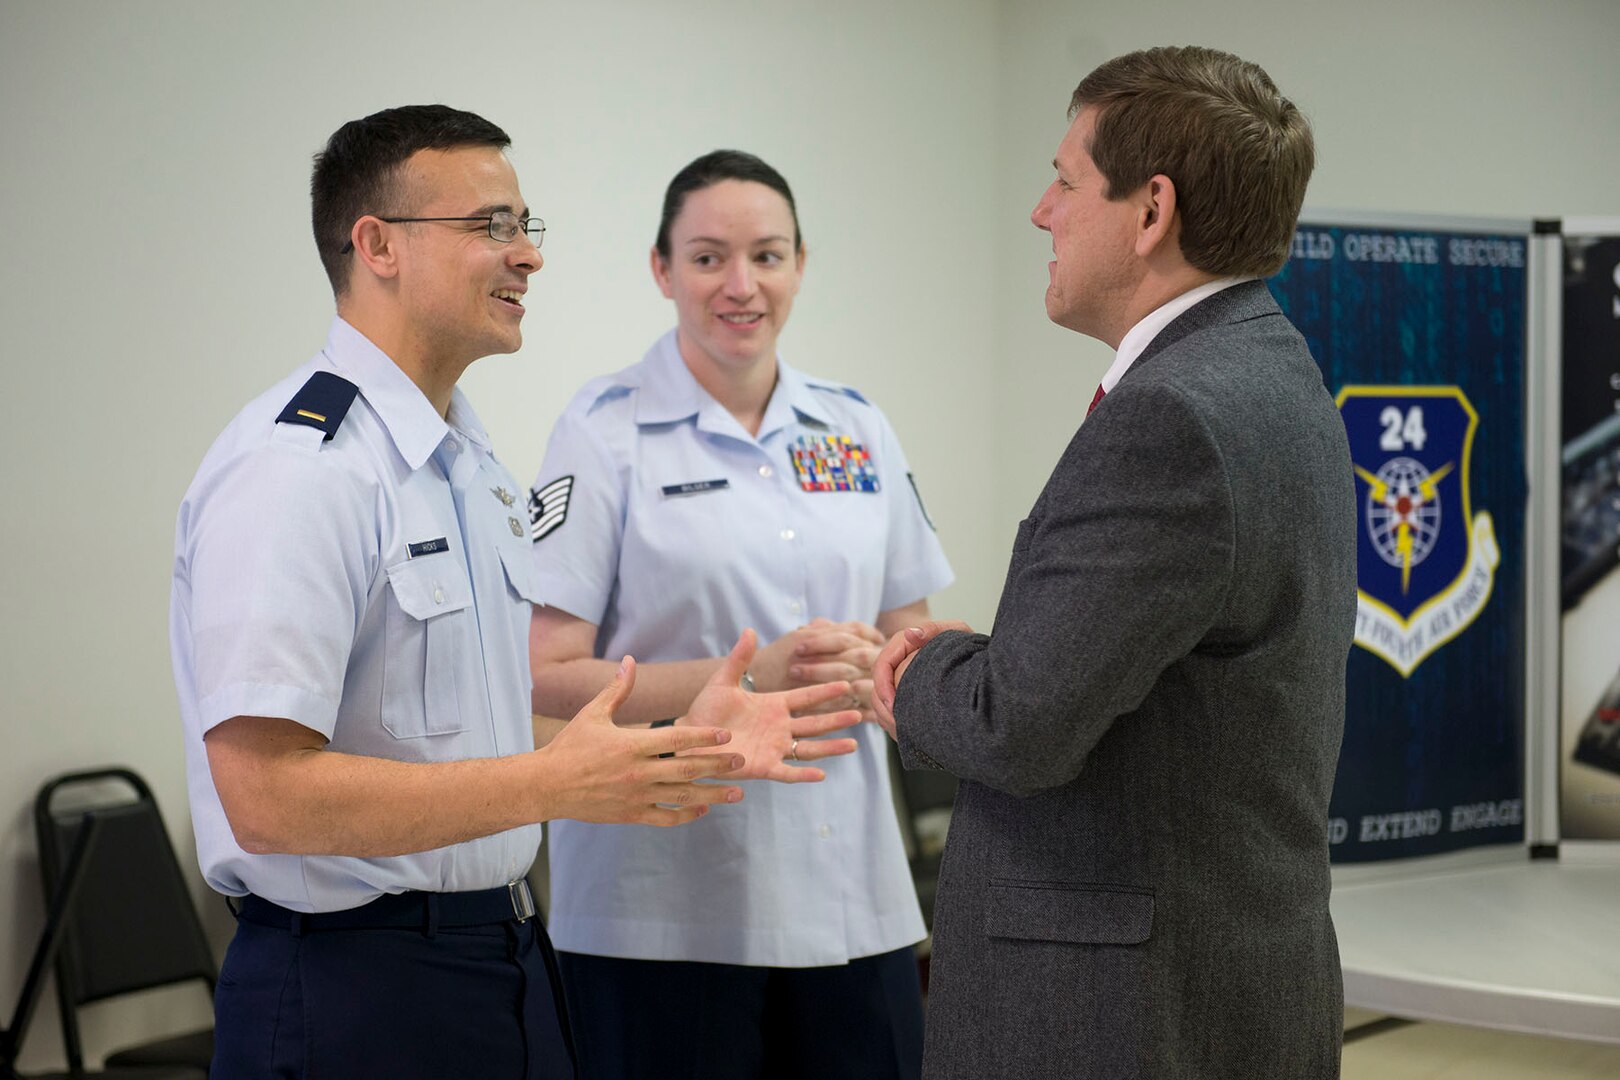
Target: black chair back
[(134, 925), (56, 910)]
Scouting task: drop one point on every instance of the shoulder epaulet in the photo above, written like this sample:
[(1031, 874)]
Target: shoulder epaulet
[(322, 403), (596, 397), (834, 388)]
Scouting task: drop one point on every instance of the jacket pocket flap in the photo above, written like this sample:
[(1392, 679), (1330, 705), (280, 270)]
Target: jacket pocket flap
[(1055, 912)]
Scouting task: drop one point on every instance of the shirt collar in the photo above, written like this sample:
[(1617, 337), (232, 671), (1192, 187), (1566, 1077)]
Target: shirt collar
[(795, 399), (410, 419), (1141, 335), (668, 392)]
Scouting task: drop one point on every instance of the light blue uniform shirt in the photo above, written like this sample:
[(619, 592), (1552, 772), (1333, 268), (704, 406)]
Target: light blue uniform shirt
[(661, 520), (296, 594)]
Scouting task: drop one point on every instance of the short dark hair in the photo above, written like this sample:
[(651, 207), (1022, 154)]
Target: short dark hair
[(1239, 153), (711, 169), (358, 172)]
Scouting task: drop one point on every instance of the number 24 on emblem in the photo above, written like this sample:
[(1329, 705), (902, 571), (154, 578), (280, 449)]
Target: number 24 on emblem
[(1402, 430)]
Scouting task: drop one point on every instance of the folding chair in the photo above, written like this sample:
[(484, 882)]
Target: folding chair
[(133, 926), (58, 905)]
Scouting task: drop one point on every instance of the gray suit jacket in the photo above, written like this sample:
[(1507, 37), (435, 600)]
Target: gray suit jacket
[(1136, 879)]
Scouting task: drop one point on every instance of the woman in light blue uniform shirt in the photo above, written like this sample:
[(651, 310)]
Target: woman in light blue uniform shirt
[(709, 488)]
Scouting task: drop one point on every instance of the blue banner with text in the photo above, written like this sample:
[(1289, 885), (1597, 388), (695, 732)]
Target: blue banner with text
[(1421, 337)]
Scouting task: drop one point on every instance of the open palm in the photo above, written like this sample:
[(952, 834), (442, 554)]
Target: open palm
[(764, 729)]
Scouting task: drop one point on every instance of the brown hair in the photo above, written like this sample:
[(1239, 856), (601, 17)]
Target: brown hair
[(1238, 152), (713, 168)]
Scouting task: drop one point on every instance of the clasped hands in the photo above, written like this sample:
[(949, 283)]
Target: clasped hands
[(891, 664), (819, 653)]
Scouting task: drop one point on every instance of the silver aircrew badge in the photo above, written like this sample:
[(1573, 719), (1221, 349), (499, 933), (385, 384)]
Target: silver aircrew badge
[(506, 497)]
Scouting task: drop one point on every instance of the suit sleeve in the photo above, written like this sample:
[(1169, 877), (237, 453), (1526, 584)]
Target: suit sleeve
[(1118, 573)]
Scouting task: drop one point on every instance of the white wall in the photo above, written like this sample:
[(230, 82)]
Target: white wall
[(158, 271), (157, 267)]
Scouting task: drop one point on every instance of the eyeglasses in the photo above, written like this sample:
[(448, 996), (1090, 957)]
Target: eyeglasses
[(504, 226)]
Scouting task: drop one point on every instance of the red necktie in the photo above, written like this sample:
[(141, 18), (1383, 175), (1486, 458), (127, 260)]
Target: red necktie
[(1095, 398)]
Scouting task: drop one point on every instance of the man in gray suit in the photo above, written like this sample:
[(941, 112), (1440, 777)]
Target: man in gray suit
[(1136, 882)]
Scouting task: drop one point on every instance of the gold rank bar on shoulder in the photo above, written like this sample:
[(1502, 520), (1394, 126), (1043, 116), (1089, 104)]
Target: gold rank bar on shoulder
[(322, 403)]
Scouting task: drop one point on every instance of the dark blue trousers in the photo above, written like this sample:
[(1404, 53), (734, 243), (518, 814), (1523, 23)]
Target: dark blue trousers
[(475, 1001), (673, 1020)]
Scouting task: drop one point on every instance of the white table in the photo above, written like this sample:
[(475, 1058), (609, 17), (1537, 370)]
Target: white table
[(1487, 938)]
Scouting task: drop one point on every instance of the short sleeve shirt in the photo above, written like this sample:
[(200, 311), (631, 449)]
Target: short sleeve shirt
[(657, 517), (374, 587)]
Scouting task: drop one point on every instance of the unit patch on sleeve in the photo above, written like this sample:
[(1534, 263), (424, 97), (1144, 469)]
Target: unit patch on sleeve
[(548, 507), (833, 463), (920, 504)]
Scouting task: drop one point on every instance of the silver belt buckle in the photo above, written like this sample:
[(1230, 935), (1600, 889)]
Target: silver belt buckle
[(522, 899)]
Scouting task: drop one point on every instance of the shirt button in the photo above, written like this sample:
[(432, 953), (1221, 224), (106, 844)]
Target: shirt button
[(824, 832), (765, 470), (787, 534), (452, 445), (795, 607), (438, 594)]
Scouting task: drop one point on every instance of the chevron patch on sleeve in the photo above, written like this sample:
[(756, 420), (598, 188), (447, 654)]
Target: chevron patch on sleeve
[(548, 507)]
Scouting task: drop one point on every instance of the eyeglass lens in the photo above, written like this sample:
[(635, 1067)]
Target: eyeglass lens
[(505, 226)]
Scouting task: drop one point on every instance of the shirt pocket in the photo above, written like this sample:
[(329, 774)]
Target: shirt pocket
[(521, 595), (426, 648), (519, 566), (1062, 912)]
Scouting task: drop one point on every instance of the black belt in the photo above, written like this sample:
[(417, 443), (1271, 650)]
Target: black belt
[(425, 911)]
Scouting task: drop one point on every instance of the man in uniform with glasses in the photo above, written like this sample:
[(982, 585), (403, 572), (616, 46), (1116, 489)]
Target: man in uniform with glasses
[(349, 625)]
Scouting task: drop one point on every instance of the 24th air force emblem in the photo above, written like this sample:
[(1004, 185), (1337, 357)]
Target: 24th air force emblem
[(1425, 561)]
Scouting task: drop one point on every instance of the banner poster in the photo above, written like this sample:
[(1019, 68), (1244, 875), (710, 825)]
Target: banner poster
[(1421, 337), (1589, 763)]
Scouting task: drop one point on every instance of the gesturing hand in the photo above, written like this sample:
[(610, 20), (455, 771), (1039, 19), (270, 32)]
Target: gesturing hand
[(598, 771), (764, 728)]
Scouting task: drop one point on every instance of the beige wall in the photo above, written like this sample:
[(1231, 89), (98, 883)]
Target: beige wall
[(157, 269)]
